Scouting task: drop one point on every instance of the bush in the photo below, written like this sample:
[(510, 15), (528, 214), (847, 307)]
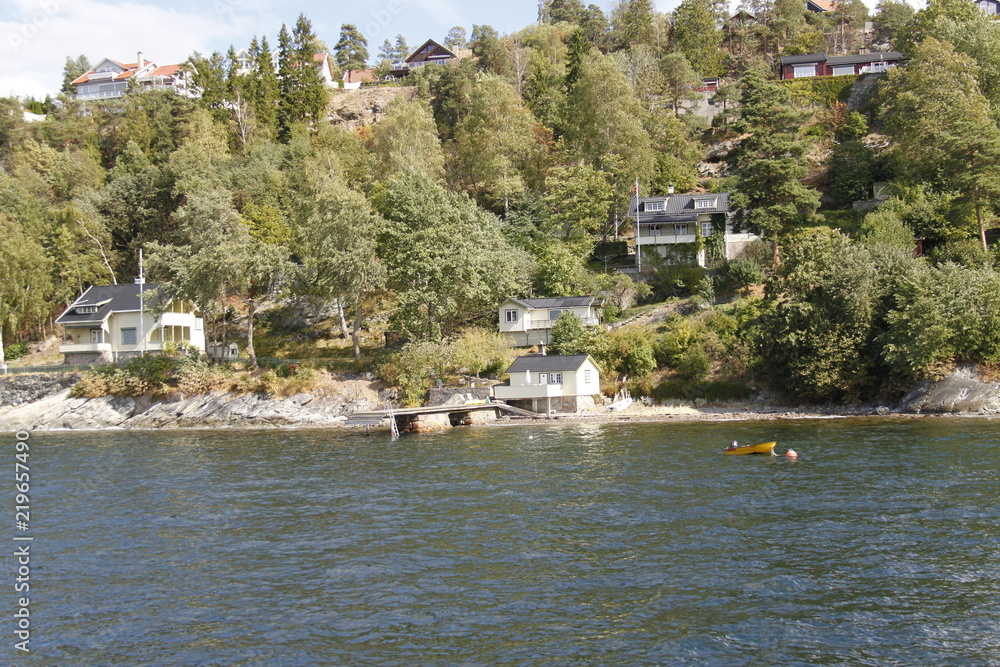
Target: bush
[(15, 351)]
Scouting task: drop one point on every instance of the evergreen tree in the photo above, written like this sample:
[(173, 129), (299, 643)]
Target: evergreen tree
[(489, 50), (680, 82), (557, 11), (696, 36), (402, 50), (595, 26), (387, 52), (632, 23), (455, 39), (770, 163), (312, 94), (262, 86), (72, 70), (351, 48)]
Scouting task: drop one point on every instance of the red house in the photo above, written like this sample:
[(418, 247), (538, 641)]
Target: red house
[(817, 64)]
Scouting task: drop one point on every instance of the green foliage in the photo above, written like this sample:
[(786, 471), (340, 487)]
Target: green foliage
[(570, 336), (820, 90), (413, 368), (852, 166), (15, 351), (481, 351)]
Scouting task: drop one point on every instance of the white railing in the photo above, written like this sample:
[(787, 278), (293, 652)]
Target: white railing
[(108, 94), (547, 324)]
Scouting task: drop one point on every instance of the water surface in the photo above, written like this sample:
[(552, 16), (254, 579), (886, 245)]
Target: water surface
[(618, 544)]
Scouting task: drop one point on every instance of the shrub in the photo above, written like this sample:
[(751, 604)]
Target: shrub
[(15, 351)]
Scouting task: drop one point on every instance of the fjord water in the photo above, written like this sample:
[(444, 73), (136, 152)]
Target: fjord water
[(617, 544)]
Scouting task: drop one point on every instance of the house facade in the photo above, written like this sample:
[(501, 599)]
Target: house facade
[(817, 64), (111, 79), (672, 226), (111, 322), (428, 53), (551, 383), (528, 322), (989, 7)]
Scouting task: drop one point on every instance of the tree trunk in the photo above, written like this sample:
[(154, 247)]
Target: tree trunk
[(775, 253), (251, 310), (3, 364), (355, 330), (343, 320), (979, 218)]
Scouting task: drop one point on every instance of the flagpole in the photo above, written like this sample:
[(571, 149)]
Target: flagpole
[(142, 329)]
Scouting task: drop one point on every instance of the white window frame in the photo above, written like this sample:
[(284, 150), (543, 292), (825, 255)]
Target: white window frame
[(555, 315), (681, 229), (511, 315), (655, 230), (86, 310), (654, 206), (135, 337), (706, 229), (555, 378), (586, 376), (803, 71), (704, 203), (843, 70)]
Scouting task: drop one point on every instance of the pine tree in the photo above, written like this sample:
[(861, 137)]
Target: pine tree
[(770, 163), (263, 85), (351, 49), (73, 69), (696, 36)]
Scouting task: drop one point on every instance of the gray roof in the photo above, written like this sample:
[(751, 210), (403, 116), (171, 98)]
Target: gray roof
[(882, 56), (547, 363), (108, 299), (808, 58), (679, 208), (561, 302)]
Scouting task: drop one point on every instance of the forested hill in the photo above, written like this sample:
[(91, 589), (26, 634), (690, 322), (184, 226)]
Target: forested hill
[(508, 172)]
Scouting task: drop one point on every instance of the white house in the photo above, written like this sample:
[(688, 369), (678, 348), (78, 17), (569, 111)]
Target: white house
[(671, 226), (546, 383), (528, 322), (111, 322), (111, 79)]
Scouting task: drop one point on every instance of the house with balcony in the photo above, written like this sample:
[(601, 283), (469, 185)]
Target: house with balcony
[(672, 226), (428, 53), (111, 79), (551, 383), (112, 322), (817, 64), (528, 322)]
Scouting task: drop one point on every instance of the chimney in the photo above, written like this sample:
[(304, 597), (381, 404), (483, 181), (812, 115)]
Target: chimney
[(541, 349), (139, 60), (670, 189)]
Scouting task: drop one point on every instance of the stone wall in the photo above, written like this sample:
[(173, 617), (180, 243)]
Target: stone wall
[(458, 395), (21, 389)]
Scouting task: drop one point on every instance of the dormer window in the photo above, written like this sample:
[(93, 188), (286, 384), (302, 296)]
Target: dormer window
[(654, 206), (86, 310), (704, 203)]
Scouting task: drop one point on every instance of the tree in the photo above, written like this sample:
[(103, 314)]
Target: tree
[(570, 336), (406, 141), (262, 86), (696, 36), (494, 143), (604, 124), (387, 52), (556, 11), (595, 27), (890, 17), (579, 198), (632, 23), (336, 241), (680, 82), (491, 55), (303, 93), (208, 76), (941, 123), (455, 39), (402, 50), (770, 163), (218, 258), (351, 48), (447, 260), (72, 70), (25, 285)]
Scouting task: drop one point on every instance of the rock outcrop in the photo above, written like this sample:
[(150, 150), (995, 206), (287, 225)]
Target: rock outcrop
[(217, 410), (963, 392)]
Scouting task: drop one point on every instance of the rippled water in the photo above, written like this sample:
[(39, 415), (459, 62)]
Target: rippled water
[(622, 544)]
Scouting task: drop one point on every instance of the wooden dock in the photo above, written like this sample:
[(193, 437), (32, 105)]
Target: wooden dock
[(437, 417)]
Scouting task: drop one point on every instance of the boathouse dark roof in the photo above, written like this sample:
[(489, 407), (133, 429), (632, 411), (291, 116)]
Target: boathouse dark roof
[(546, 363)]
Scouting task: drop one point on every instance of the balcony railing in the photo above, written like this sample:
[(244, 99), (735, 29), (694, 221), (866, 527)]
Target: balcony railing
[(84, 347), (533, 324)]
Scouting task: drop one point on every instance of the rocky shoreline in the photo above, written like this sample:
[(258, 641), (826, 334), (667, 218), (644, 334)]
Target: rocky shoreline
[(963, 392)]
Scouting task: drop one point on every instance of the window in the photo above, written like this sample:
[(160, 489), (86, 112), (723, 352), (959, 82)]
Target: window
[(706, 229), (555, 378), (704, 203), (128, 336), (802, 71), (586, 377), (841, 70), (554, 315), (654, 230), (681, 230), (654, 206), (511, 315), (85, 310)]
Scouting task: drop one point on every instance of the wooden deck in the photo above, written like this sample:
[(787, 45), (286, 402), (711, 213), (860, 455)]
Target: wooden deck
[(369, 419)]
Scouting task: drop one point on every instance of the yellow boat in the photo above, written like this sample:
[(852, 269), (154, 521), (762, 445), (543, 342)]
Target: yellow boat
[(762, 448)]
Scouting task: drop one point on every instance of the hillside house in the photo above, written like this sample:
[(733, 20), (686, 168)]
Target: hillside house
[(671, 226), (111, 79), (528, 322), (551, 383), (354, 78), (428, 53), (111, 322), (821, 6), (817, 64)]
